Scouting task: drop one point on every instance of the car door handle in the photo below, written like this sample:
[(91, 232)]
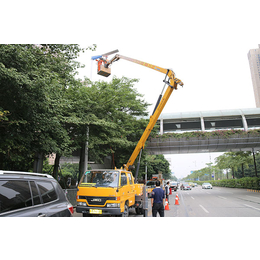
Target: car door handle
[(41, 215)]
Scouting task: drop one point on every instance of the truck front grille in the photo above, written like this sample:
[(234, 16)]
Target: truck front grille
[(92, 200)]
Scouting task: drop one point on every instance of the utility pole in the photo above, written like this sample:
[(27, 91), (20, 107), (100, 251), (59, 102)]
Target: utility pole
[(86, 151)]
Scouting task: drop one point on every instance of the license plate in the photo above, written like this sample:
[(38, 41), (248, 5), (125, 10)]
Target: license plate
[(95, 211)]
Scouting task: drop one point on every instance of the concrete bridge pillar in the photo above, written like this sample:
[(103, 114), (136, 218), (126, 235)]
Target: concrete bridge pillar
[(161, 126), (202, 123), (244, 123)]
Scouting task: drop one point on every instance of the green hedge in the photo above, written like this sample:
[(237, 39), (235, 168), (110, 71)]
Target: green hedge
[(208, 134), (245, 183)]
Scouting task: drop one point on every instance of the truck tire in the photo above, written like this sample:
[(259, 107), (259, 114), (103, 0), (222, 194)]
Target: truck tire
[(139, 211), (126, 211)]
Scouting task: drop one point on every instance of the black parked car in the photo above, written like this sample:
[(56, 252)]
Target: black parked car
[(32, 195)]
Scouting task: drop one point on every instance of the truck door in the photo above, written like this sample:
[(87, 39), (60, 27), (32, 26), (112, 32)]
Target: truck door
[(132, 190), (124, 188)]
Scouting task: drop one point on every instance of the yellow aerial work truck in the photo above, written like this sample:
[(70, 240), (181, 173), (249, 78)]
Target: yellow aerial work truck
[(114, 191), (110, 192)]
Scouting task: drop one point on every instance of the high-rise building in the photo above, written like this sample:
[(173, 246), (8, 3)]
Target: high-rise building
[(254, 62)]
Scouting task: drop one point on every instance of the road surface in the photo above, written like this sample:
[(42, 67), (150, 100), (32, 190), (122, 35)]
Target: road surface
[(216, 202)]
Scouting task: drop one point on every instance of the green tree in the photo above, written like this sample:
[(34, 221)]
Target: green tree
[(234, 160), (156, 163), (33, 83), (109, 113)]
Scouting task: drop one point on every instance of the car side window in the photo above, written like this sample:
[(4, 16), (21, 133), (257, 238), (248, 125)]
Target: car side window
[(14, 195), (35, 193), (123, 179), (47, 191)]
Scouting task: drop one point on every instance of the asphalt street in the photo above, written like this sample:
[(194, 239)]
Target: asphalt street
[(216, 202)]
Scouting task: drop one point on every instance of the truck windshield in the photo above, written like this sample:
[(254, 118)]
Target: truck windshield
[(100, 179), (151, 184)]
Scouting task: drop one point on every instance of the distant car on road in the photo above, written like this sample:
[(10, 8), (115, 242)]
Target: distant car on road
[(174, 185), (27, 194), (206, 185), (185, 186)]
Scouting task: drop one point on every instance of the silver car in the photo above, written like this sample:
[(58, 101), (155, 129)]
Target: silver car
[(206, 185), (25, 194)]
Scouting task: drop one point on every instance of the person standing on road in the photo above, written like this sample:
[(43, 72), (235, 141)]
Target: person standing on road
[(167, 191), (157, 200)]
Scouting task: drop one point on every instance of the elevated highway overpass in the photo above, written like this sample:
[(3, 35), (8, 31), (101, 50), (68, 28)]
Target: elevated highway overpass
[(245, 124)]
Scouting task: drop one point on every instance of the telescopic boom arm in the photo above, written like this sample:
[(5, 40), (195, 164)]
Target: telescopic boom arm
[(172, 83)]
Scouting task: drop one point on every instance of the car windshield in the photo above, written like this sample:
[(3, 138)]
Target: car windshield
[(100, 179), (206, 183)]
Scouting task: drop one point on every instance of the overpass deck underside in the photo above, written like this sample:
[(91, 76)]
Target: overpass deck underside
[(202, 145)]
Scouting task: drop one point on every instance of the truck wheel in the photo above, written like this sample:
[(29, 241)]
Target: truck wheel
[(126, 211), (139, 211)]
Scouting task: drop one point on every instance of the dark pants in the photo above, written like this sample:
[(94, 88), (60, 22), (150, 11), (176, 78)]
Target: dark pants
[(167, 197), (158, 207)]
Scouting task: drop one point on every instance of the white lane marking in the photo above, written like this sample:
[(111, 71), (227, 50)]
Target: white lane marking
[(251, 207), (252, 196), (204, 209), (192, 197), (222, 197)]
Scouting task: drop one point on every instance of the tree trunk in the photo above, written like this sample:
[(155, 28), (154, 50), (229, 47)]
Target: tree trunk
[(38, 163), (56, 166), (81, 161), (243, 173)]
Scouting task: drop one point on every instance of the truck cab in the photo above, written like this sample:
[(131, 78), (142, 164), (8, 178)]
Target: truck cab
[(108, 192)]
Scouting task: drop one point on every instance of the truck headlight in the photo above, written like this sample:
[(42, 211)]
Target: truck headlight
[(113, 205), (80, 203)]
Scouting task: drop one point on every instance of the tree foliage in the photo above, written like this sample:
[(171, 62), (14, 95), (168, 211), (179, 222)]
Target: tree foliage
[(44, 109), (239, 164), (110, 111), (34, 80), (156, 163)]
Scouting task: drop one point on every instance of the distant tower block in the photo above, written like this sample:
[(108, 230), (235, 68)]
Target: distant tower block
[(254, 63)]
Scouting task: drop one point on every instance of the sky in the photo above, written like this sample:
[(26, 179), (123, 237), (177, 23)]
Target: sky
[(204, 42)]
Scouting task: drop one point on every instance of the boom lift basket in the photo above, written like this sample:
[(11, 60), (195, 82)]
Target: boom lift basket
[(104, 71)]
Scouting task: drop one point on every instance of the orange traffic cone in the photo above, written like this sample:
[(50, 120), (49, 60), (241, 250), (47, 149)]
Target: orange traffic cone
[(177, 200), (166, 205)]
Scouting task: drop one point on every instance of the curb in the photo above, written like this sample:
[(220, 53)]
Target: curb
[(253, 190)]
